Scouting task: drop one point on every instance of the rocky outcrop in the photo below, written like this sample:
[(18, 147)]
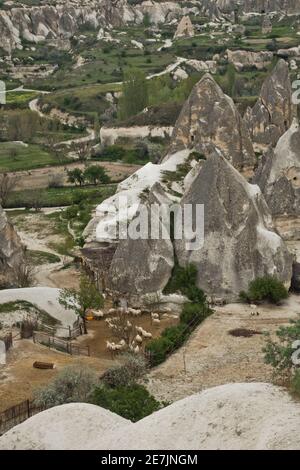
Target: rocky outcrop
[(246, 59), (11, 251), (266, 27), (210, 117), (185, 28), (240, 243), (64, 20), (142, 266), (278, 176), (272, 114)]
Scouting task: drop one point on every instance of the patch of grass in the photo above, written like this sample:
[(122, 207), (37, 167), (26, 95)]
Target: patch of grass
[(55, 197), (17, 157), (42, 257)]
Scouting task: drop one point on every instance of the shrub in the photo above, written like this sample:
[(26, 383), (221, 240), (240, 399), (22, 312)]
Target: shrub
[(133, 402), (159, 349), (194, 314), (184, 281), (296, 383), (266, 288), (279, 353), (126, 374), (73, 384)]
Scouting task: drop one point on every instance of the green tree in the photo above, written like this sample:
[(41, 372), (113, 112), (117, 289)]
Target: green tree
[(133, 402), (96, 174), (135, 96), (279, 354), (76, 176), (88, 297)]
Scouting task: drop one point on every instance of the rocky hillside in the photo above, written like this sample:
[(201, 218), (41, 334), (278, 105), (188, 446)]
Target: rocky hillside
[(11, 251), (64, 20), (210, 154)]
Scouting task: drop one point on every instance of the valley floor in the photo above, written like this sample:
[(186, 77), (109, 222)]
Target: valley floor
[(212, 356)]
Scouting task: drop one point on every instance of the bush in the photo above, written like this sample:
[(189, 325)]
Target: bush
[(194, 314), (279, 353), (73, 384), (126, 374), (133, 402), (159, 349), (296, 383), (266, 288), (184, 281)]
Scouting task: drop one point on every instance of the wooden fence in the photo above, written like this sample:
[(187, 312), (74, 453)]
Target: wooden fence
[(68, 332), (53, 342), (17, 414)]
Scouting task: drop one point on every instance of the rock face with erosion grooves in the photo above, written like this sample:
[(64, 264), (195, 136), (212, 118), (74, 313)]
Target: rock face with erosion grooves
[(210, 117), (278, 176), (240, 243), (272, 114), (11, 251), (145, 265)]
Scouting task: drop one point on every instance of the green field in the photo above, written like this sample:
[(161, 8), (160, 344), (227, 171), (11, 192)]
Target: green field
[(65, 196), (24, 158)]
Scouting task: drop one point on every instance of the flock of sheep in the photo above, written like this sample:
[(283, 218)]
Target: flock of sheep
[(134, 343)]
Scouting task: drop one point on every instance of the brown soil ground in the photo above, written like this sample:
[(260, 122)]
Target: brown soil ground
[(18, 378), (213, 357), (40, 178)]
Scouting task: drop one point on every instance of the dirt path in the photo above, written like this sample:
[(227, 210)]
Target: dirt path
[(213, 357)]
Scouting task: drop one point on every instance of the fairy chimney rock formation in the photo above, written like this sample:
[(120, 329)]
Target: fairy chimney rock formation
[(11, 251), (272, 114), (185, 28), (211, 117), (240, 243), (278, 176)]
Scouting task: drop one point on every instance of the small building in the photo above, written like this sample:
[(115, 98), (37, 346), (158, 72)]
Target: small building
[(266, 27), (185, 28)]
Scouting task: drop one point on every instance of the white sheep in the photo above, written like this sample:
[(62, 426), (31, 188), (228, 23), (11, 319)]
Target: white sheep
[(156, 321), (139, 329), (154, 316), (134, 312), (146, 334), (136, 349), (138, 339)]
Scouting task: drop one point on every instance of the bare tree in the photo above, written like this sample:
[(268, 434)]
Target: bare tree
[(7, 185), (122, 328), (82, 149), (23, 273)]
